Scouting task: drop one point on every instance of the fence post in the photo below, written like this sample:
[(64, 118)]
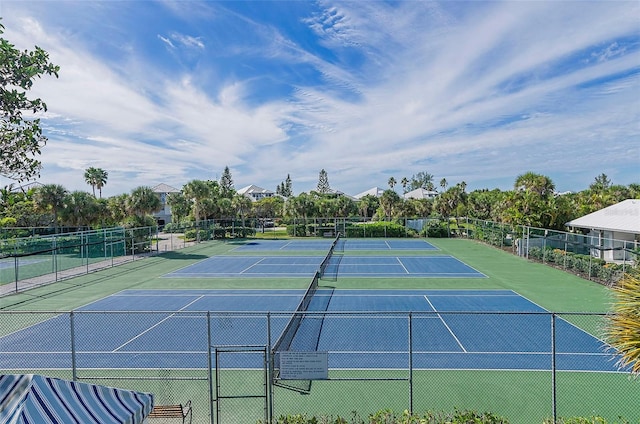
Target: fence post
[(270, 367), (410, 365), (73, 346), (553, 368), (210, 366)]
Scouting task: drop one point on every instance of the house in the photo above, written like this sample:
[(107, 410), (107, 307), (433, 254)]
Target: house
[(374, 191), (255, 193), (421, 193), (615, 229), (163, 216)]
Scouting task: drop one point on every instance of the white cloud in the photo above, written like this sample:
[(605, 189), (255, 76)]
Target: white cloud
[(478, 92)]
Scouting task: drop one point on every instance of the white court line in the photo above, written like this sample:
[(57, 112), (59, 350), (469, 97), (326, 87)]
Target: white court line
[(155, 325), (445, 324), (251, 266), (402, 265)]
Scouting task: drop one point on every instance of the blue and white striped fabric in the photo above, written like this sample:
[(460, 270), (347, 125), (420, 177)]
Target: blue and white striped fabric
[(36, 399)]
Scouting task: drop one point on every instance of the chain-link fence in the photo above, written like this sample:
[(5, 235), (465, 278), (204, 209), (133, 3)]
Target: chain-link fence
[(526, 367), (29, 262), (593, 256)]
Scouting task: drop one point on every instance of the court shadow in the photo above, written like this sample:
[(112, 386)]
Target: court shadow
[(180, 255)]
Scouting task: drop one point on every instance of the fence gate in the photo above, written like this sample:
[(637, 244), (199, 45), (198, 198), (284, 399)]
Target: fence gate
[(241, 384)]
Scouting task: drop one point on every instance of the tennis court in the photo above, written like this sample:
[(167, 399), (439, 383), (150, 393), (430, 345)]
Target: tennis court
[(343, 244), (344, 266), (498, 330)]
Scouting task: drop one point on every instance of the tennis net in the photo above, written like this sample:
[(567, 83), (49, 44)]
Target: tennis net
[(327, 258), (308, 338)]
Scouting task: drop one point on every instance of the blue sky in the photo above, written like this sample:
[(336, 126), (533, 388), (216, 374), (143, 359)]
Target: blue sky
[(170, 91)]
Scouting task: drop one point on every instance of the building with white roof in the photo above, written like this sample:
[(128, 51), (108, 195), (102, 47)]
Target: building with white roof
[(614, 228), (255, 193)]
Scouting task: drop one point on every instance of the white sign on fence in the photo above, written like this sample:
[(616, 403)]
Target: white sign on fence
[(304, 365)]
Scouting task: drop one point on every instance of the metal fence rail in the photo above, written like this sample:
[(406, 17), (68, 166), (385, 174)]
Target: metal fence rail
[(376, 360)]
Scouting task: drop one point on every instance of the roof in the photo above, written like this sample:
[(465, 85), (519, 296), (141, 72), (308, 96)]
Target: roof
[(420, 193), (622, 217), (253, 189), (374, 191), (164, 188)]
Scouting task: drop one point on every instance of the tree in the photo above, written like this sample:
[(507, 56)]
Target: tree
[(180, 206), (392, 182), (601, 183), (404, 182), (286, 187), (80, 209), (21, 138), (389, 201), (323, 182), (96, 178), (443, 184), (50, 198), (422, 180), (226, 183), (143, 201), (196, 191), (623, 325), (367, 205)]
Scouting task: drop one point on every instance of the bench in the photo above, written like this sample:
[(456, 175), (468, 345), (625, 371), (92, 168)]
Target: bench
[(172, 411)]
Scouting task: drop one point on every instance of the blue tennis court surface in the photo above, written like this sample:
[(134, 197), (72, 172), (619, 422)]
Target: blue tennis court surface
[(362, 329), (343, 266), (343, 244)]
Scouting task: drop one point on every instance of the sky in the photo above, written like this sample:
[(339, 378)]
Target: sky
[(476, 92)]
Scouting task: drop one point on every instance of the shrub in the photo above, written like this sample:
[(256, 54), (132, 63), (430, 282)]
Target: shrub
[(297, 230), (389, 417)]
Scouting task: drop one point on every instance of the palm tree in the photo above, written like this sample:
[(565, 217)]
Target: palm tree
[(392, 182), (242, 205), (50, 198), (443, 184), (404, 182), (96, 178), (623, 329), (197, 191), (143, 201), (389, 201), (80, 209)]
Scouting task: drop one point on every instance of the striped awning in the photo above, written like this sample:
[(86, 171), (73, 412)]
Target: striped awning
[(29, 398)]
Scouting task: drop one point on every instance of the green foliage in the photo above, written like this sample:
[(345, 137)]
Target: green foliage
[(585, 420), (379, 229), (436, 229), (21, 138), (297, 230), (389, 417), (582, 264)]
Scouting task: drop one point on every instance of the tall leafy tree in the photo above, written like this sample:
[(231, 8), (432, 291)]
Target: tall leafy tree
[(80, 209), (422, 180), (392, 182), (286, 187), (21, 137), (323, 186), (143, 201), (197, 191), (389, 201), (180, 206), (367, 205), (443, 184), (226, 183), (96, 178), (50, 198), (404, 182)]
